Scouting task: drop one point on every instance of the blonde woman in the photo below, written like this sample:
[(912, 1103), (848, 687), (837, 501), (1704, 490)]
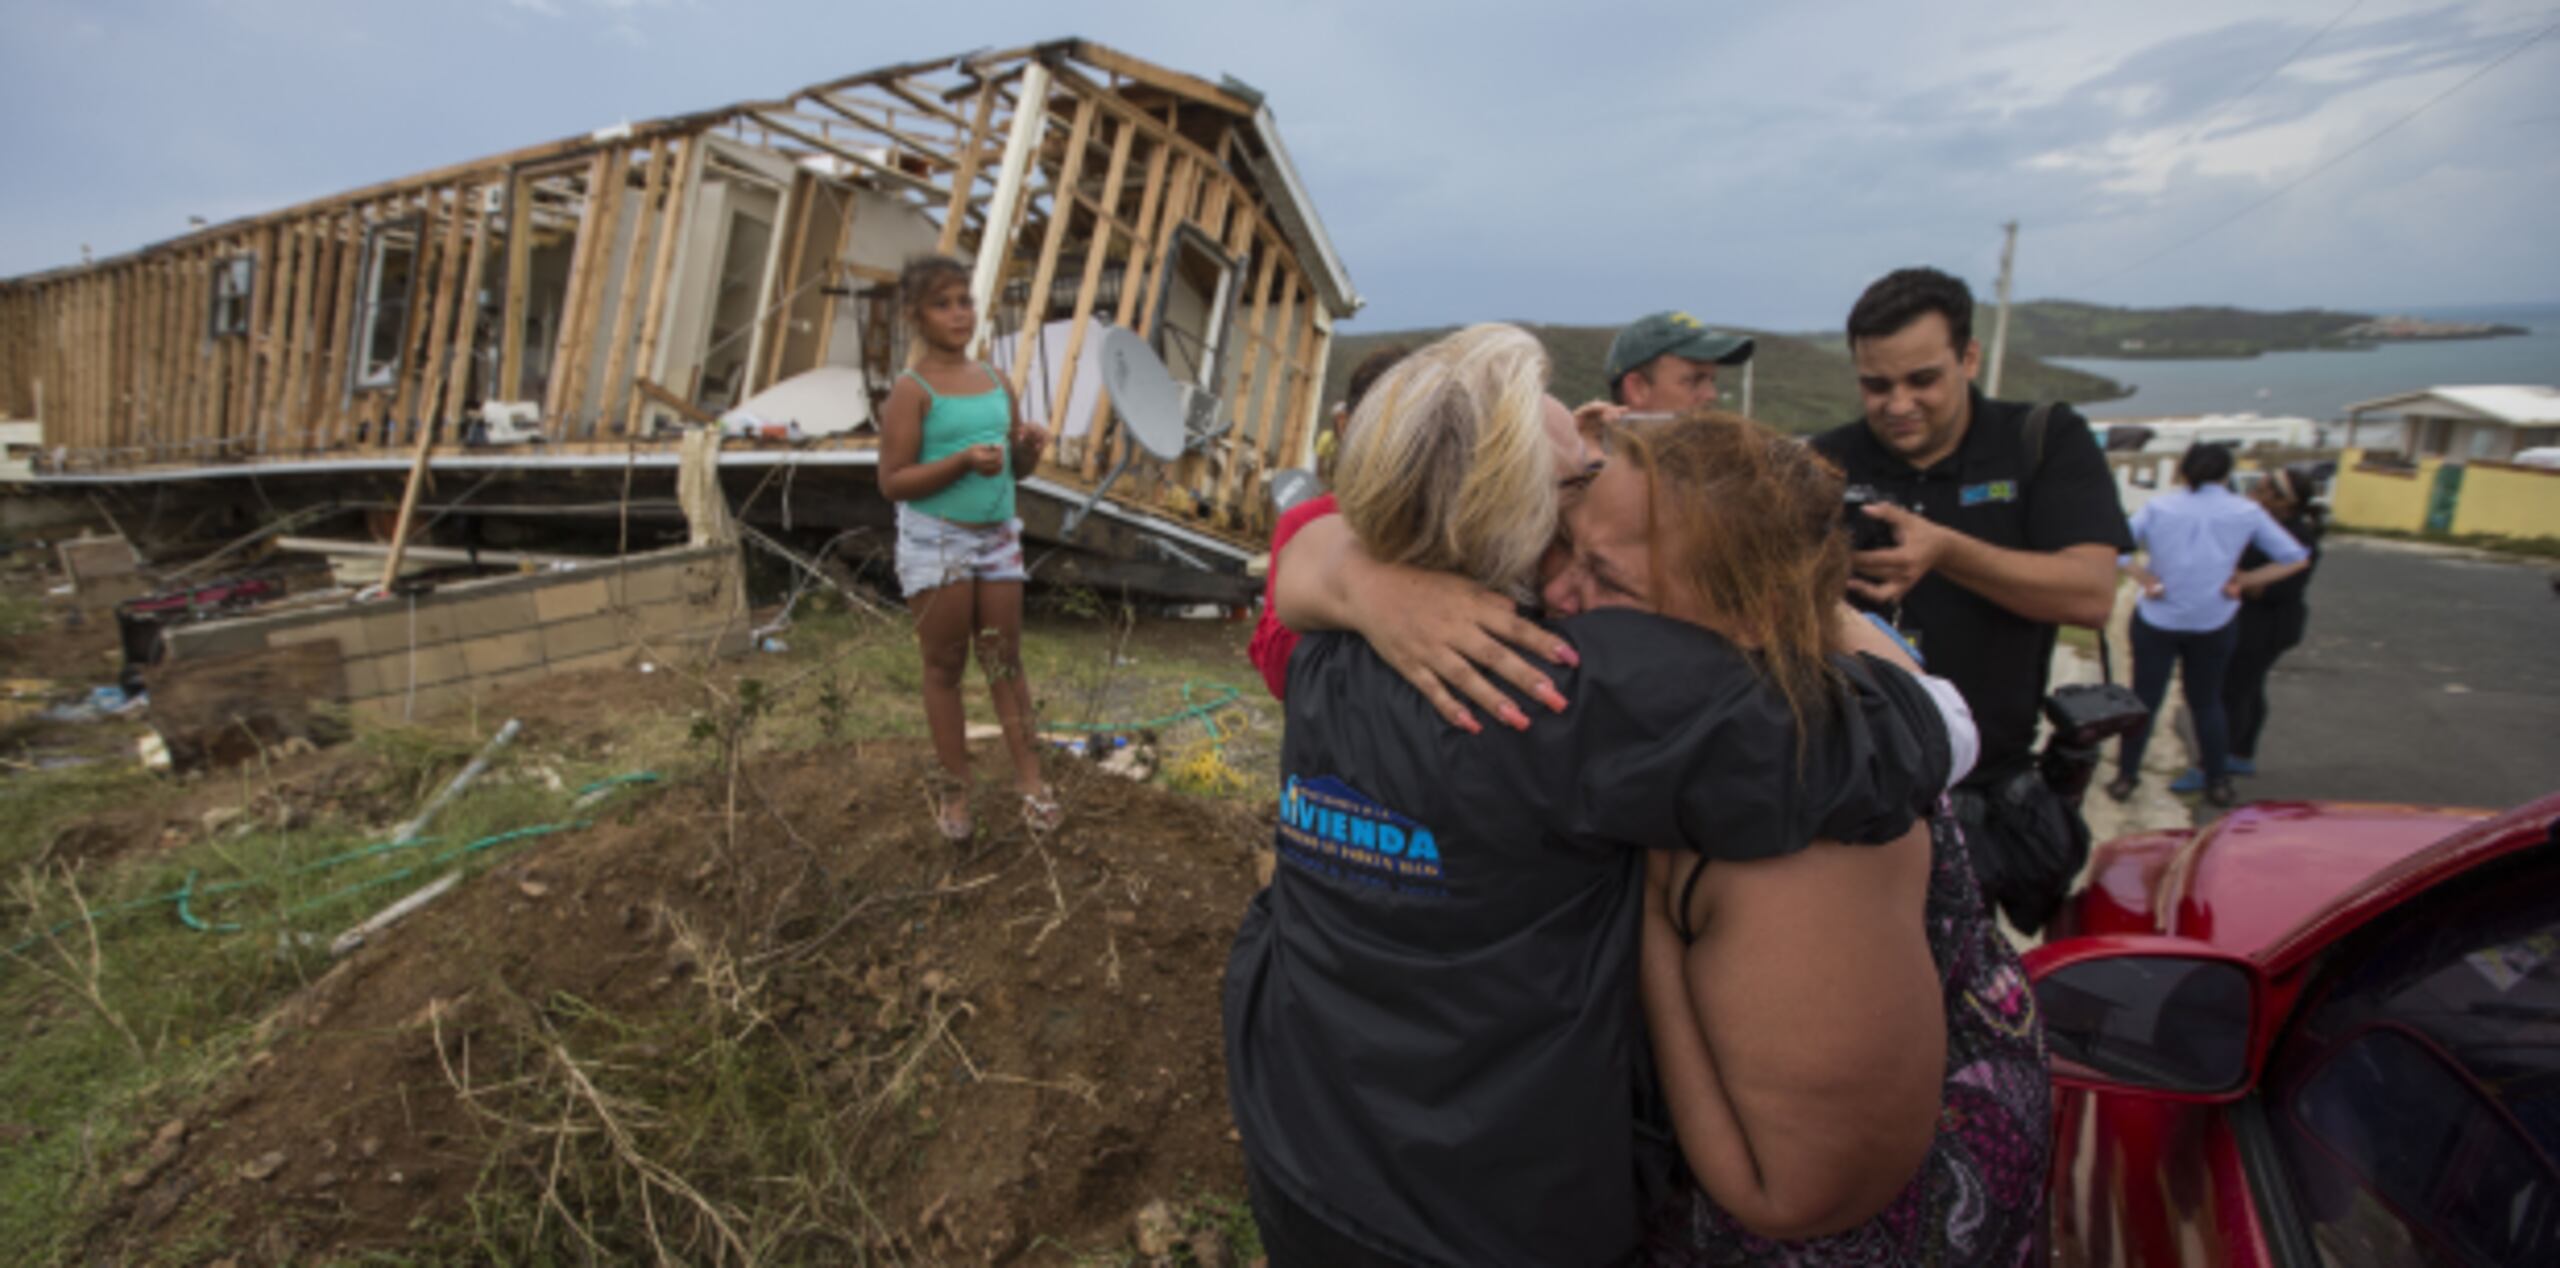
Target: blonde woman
[(1430, 1014)]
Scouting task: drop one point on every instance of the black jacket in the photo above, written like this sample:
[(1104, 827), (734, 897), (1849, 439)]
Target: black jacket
[(1433, 1033)]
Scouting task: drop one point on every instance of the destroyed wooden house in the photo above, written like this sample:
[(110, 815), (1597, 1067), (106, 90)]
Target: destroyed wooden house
[(543, 323)]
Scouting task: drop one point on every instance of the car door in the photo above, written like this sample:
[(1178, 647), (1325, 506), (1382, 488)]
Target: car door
[(2411, 1108)]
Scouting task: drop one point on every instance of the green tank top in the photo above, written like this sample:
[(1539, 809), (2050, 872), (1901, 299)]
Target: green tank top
[(953, 423)]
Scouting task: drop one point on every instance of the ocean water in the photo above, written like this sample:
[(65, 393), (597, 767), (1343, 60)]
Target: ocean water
[(2322, 385)]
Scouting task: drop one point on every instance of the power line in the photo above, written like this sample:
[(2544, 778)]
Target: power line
[(2333, 160)]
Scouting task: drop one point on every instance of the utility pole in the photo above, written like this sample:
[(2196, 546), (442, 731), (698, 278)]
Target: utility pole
[(2000, 326)]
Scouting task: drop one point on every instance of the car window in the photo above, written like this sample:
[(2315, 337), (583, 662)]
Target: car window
[(2417, 1102)]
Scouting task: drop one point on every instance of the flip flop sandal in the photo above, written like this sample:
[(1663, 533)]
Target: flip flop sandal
[(1042, 812), (948, 799)]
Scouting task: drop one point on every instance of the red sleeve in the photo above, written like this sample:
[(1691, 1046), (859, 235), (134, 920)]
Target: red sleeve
[(1272, 641)]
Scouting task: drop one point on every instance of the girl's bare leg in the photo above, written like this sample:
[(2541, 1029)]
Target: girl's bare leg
[(943, 618), (999, 639)]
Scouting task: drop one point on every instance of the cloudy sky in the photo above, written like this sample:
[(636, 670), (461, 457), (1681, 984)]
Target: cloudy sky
[(1757, 163)]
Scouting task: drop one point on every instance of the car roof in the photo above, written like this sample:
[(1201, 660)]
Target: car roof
[(2277, 881)]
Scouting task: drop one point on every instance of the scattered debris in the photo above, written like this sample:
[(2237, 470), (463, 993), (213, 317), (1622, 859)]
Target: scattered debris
[(392, 914), (1155, 1230), (264, 1166), (417, 824)]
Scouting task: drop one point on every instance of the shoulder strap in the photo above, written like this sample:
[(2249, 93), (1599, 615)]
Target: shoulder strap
[(997, 380), (929, 393)]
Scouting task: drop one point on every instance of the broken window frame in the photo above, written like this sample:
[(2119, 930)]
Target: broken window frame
[(1212, 338), (364, 373), (234, 283)]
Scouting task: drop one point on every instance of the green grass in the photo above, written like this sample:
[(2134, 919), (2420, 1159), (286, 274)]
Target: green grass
[(20, 614), (175, 1007), (102, 1049)]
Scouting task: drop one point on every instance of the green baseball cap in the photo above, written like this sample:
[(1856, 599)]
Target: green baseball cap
[(1678, 334)]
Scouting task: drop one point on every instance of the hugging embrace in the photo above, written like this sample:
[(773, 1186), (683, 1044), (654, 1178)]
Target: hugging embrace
[(1682, 962)]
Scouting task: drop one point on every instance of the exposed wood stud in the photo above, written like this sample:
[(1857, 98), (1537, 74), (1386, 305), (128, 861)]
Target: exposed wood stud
[(582, 261), (661, 273), (1035, 305)]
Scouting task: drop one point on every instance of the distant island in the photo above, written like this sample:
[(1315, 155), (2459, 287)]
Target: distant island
[(2068, 328), (2389, 329)]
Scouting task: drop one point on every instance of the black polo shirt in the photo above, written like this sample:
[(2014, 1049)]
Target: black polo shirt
[(1998, 659)]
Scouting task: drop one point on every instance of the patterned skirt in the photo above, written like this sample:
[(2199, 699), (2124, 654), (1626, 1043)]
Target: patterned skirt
[(1980, 1197)]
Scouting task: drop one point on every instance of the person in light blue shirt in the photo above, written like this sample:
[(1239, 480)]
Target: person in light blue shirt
[(2188, 615)]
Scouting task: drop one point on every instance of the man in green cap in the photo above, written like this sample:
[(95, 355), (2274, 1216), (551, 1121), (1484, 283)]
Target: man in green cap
[(1666, 363)]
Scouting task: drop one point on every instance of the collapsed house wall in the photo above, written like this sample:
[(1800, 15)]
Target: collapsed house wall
[(412, 657), (1081, 182)]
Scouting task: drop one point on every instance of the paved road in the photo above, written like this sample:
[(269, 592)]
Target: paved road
[(2426, 676)]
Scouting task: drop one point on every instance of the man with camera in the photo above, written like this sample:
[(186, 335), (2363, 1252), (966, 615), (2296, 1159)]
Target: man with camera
[(1982, 526)]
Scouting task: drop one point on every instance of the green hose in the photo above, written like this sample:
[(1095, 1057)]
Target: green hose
[(183, 897), (1192, 707)]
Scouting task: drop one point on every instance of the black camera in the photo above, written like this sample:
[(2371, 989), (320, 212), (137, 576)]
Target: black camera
[(1866, 532), (2085, 715)]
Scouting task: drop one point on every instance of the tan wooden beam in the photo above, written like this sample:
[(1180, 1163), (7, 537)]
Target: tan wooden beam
[(965, 182), (1188, 87), (336, 372), (467, 326), (662, 272), (635, 279), (1249, 371), (1101, 431), (581, 367), (1035, 306), (1096, 248), (297, 348), (431, 372), (406, 410), (556, 387), (519, 293), (270, 278)]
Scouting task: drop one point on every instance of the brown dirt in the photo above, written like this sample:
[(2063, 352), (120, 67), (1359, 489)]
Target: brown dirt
[(1077, 982)]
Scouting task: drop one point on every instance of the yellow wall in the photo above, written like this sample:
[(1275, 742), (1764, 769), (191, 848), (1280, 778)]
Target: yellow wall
[(2382, 499), (2508, 501)]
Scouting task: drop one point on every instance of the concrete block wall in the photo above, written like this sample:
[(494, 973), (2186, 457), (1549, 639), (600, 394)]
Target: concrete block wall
[(409, 658)]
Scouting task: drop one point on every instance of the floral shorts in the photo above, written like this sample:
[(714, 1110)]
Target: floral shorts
[(934, 552)]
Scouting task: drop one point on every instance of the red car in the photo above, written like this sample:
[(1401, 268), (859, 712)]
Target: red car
[(2312, 1035)]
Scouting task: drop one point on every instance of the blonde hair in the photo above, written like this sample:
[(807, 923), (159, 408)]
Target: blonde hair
[(1447, 466)]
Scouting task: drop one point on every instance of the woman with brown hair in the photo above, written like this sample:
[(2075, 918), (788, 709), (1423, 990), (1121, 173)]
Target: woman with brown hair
[(1431, 1012), (1905, 1119)]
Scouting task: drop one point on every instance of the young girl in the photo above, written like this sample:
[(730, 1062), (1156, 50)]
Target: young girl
[(952, 443)]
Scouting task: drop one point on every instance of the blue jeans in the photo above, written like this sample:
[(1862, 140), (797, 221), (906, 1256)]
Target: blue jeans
[(2204, 658)]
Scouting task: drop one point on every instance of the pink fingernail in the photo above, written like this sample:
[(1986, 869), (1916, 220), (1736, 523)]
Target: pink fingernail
[(1548, 695), (1467, 723), (1565, 655), (1512, 717)]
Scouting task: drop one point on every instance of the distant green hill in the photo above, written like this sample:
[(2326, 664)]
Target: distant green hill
[(2067, 328), (1800, 383)]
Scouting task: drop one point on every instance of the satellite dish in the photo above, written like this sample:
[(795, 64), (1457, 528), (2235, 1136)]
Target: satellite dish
[(1290, 487), (1165, 418), (1149, 401)]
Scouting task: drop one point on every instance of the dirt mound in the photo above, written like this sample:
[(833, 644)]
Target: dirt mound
[(775, 1019)]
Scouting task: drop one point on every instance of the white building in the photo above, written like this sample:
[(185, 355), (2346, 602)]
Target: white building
[(2241, 431), (2459, 423)]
